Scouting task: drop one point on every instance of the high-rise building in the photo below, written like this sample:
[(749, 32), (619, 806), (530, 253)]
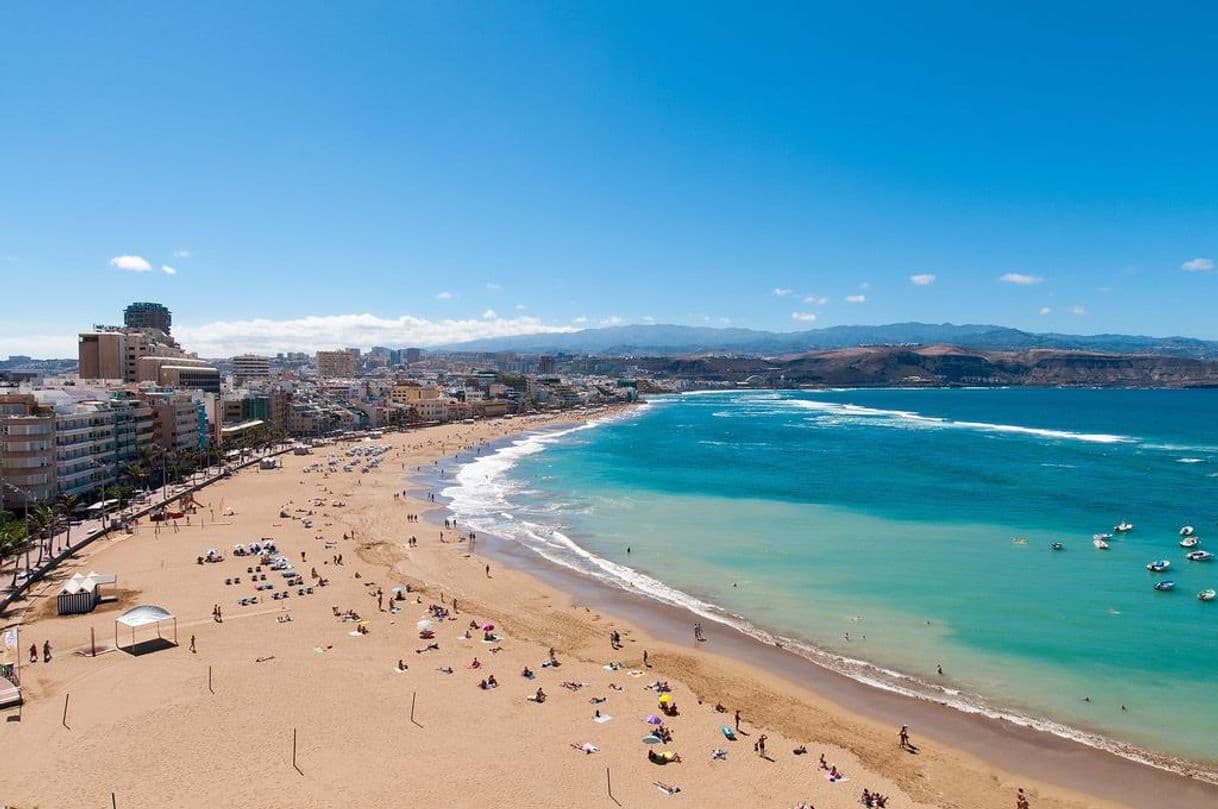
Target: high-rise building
[(413, 355), (250, 366), (146, 315), (545, 364), (103, 355), (335, 364)]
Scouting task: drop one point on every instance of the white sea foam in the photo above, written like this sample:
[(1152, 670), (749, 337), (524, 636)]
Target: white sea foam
[(910, 418), (1190, 460)]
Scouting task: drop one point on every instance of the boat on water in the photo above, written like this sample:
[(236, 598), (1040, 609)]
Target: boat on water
[(1057, 546), (1187, 531), (1207, 595), (1018, 541), (1099, 542), (1101, 536), (1165, 586), (1123, 527), (1199, 556), (1190, 542), (1159, 566)]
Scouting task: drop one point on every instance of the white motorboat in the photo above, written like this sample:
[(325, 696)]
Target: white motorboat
[(1123, 527), (1199, 556), (1165, 586), (1159, 566), (1101, 536), (1187, 531), (1099, 543), (1057, 546), (1207, 595), (1190, 542)]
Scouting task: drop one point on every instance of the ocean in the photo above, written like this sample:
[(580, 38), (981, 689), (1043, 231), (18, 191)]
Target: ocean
[(887, 532)]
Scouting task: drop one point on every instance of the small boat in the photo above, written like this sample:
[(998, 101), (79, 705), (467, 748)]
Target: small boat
[(1165, 586), (1207, 595), (1159, 566), (1199, 556), (1099, 543), (1190, 542), (1019, 541), (1057, 546), (1101, 536), (1123, 527), (1187, 531)]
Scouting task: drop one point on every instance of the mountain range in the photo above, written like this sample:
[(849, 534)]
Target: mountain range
[(666, 340)]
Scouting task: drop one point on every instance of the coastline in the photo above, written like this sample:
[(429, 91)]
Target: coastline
[(1098, 766), (310, 673)]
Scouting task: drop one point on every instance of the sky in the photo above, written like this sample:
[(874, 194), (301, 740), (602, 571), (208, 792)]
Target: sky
[(299, 175)]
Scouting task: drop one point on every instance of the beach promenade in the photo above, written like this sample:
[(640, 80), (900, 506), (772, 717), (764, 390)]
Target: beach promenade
[(351, 695)]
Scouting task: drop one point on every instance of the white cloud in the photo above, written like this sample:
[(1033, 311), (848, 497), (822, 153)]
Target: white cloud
[(131, 263), (783, 293), (725, 320), (612, 320), (805, 317), (648, 319), (924, 279), (579, 321), (1198, 265), (444, 296), (181, 254), (856, 299), (489, 314), (165, 268), (1078, 309), (520, 307), (265, 336), (816, 300), (1020, 278), (493, 287), (1045, 310)]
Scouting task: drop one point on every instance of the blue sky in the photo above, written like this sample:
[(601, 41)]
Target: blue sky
[(324, 173)]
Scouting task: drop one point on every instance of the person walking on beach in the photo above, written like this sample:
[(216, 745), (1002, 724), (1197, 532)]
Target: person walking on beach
[(1021, 800), (46, 651), (488, 571), (737, 720), (192, 644), (33, 653), (904, 737)]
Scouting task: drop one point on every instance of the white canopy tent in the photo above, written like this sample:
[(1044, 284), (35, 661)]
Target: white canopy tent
[(145, 615)]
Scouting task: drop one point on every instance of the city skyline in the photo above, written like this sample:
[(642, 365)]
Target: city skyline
[(420, 176)]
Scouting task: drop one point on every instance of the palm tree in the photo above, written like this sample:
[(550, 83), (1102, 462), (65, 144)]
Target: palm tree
[(66, 506), (42, 523)]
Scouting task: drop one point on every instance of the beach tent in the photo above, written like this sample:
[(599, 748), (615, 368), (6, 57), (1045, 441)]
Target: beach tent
[(82, 593), (141, 616)]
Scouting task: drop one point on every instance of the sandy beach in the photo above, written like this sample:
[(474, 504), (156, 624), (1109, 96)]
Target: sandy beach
[(150, 729)]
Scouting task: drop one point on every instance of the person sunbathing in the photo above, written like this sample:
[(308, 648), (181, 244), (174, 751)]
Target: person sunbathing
[(431, 647), (671, 790), (527, 673), (540, 696), (491, 682), (475, 664)]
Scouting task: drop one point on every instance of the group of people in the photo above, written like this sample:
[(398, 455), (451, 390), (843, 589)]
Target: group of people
[(873, 799), (46, 652)]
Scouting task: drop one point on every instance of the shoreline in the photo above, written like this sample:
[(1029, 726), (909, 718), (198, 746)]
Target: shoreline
[(1134, 775), (342, 691)]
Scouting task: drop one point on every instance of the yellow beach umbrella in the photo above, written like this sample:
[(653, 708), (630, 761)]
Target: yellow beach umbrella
[(665, 697)]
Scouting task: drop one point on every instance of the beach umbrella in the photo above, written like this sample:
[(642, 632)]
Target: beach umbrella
[(654, 720), (652, 739), (487, 627), (665, 697), (424, 624)]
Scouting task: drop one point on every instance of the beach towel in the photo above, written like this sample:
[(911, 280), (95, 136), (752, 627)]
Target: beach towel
[(602, 719), (587, 747), (833, 780)]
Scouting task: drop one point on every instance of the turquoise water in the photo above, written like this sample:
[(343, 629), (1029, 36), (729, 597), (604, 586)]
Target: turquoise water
[(890, 515)]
